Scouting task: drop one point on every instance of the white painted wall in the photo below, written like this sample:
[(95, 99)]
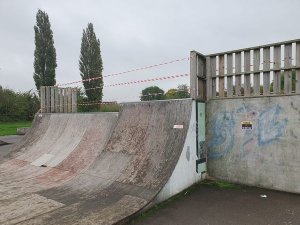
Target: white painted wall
[(184, 174)]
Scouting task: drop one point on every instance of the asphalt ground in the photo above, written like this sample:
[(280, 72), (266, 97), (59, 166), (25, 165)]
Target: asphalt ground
[(7, 141), (218, 203)]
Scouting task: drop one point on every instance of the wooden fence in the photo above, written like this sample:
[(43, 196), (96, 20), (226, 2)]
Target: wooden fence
[(58, 100), (266, 70)]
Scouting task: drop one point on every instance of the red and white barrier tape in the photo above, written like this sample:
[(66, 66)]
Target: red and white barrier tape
[(128, 71), (142, 81)]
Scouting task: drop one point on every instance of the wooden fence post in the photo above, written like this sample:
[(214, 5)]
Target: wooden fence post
[(287, 67), (208, 79), (193, 74), (221, 76), (277, 72), (266, 75), (247, 84), (229, 75)]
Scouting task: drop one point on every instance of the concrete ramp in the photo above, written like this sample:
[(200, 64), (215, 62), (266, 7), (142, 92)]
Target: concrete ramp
[(93, 168)]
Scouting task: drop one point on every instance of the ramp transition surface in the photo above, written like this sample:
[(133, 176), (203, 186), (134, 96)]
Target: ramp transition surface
[(97, 168)]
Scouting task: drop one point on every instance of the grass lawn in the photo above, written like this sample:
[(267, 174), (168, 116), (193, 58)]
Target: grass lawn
[(10, 128)]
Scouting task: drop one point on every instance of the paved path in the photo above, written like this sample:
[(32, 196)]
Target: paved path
[(211, 205), (10, 139)]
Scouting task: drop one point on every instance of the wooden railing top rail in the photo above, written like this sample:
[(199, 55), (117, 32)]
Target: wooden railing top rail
[(253, 48)]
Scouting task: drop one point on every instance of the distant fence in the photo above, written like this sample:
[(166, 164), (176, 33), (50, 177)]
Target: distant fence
[(58, 100), (272, 69)]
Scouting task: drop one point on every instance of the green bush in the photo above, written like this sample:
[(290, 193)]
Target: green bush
[(17, 106)]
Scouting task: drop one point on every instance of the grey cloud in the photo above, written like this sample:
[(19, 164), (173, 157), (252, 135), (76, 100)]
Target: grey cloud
[(137, 33)]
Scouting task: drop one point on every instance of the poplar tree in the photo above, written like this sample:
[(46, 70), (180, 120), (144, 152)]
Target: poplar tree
[(90, 64), (44, 53)]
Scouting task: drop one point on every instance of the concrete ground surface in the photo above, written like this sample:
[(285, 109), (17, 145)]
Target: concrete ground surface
[(209, 204)]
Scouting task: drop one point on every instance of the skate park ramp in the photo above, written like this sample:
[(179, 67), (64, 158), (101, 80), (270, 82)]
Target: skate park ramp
[(97, 168)]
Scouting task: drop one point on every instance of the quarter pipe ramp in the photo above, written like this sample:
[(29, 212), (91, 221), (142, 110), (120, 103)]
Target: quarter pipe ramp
[(97, 168)]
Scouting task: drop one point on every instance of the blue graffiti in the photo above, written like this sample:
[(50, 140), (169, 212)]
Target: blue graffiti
[(222, 135), (270, 128)]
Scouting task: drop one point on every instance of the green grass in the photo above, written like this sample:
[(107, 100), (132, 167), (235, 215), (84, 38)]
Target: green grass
[(10, 128), (221, 184)]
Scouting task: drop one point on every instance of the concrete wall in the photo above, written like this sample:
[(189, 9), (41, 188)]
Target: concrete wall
[(184, 174), (268, 155)]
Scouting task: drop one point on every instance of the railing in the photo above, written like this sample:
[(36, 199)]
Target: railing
[(266, 70), (58, 100)]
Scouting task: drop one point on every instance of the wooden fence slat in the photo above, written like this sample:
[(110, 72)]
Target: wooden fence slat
[(287, 73), (52, 100), (201, 78), (65, 100), (247, 84), (256, 76), (238, 67), (70, 100), (43, 99), (56, 97), (48, 100), (298, 70), (213, 74), (229, 78), (266, 75), (221, 73), (277, 65), (208, 79), (61, 100), (193, 74), (74, 100)]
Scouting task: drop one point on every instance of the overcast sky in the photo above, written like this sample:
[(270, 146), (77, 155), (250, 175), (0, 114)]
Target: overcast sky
[(137, 33)]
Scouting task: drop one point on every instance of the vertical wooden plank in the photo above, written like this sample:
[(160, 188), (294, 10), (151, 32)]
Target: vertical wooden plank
[(266, 75), (256, 74), (74, 100), (208, 79), (276, 67), (229, 77), (247, 84), (43, 99), (193, 74), (56, 97), (47, 99), (52, 100), (221, 76), (70, 100), (213, 64), (298, 70), (61, 100), (201, 94), (65, 100), (287, 72), (238, 69), (201, 89)]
